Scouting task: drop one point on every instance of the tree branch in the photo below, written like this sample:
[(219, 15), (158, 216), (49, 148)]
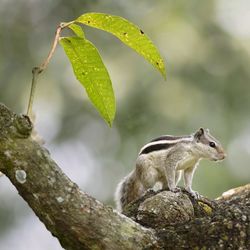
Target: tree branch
[(38, 70), (76, 219), (162, 220)]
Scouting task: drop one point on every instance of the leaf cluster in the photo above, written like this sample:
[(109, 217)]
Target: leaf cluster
[(86, 61)]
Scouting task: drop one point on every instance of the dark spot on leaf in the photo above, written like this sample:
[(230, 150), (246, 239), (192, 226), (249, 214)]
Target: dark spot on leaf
[(141, 32), (66, 40), (88, 21), (125, 33), (157, 63)]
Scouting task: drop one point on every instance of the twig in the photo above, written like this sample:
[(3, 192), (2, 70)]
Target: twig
[(38, 70)]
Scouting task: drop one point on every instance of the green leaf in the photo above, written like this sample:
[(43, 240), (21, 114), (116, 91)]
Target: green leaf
[(91, 72), (77, 30), (128, 33)]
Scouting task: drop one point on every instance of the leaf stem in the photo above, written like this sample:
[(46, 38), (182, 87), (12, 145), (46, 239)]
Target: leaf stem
[(38, 70)]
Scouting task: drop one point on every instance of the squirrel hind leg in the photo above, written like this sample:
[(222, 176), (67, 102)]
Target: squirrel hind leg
[(148, 175)]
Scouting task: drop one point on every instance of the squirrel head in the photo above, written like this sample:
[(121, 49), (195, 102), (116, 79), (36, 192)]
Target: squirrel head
[(208, 146)]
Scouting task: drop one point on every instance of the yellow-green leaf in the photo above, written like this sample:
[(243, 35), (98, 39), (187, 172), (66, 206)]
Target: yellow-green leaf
[(91, 72), (128, 33), (77, 30)]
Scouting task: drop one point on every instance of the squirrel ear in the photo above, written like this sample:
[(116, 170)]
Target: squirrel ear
[(198, 134)]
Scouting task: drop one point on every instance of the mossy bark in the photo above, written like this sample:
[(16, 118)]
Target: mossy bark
[(160, 221), (220, 224), (76, 219)]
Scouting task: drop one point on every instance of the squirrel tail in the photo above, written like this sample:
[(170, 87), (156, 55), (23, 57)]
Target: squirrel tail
[(128, 190)]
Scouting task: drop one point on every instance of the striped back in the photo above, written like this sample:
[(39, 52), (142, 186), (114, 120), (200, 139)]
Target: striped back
[(163, 142), (170, 138)]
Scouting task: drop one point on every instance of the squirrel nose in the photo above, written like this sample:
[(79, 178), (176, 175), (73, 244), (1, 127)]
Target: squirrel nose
[(223, 156)]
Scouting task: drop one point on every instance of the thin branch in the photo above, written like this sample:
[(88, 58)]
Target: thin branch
[(38, 70), (44, 65), (35, 73)]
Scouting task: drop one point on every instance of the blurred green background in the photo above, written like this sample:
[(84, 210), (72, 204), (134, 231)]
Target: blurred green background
[(207, 52)]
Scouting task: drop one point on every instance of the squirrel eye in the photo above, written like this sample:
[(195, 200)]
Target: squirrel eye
[(212, 144)]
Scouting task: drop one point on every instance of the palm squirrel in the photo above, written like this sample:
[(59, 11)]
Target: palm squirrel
[(162, 161)]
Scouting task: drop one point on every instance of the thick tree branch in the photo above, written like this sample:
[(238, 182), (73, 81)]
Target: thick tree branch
[(164, 220), (182, 222), (76, 219)]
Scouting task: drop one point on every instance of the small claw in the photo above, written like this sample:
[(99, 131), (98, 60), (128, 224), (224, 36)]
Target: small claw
[(195, 194), (175, 190), (150, 190)]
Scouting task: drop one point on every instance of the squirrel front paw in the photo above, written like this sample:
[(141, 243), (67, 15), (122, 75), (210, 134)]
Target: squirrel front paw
[(195, 194), (175, 189)]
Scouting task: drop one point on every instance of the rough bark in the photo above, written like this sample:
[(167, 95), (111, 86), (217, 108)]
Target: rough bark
[(181, 222), (162, 220), (76, 219)]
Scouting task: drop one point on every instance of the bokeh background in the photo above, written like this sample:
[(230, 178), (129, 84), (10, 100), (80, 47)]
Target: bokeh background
[(206, 45)]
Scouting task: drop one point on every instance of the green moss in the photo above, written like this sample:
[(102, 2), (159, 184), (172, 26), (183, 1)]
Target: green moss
[(225, 237), (208, 210)]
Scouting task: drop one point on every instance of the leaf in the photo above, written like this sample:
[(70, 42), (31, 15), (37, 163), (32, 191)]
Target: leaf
[(128, 33), (91, 72), (77, 30)]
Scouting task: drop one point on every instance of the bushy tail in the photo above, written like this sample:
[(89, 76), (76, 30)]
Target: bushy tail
[(128, 190)]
